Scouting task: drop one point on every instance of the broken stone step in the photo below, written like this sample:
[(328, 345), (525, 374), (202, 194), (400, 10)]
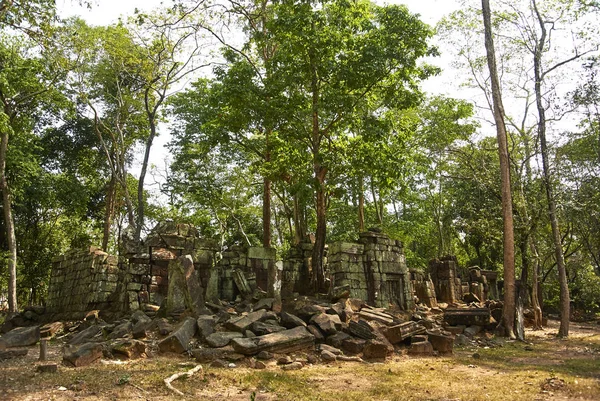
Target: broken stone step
[(222, 338), (285, 341), (178, 342)]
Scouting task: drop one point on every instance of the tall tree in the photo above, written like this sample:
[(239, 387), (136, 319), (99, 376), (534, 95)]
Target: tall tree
[(508, 312)]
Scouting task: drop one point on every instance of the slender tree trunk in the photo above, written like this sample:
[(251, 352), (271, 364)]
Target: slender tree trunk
[(535, 299), (508, 313), (565, 307), (361, 204), (10, 227), (110, 211), (299, 221), (376, 202), (266, 211), (139, 223)]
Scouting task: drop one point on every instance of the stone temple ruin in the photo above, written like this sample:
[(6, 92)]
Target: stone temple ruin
[(178, 270), (177, 292)]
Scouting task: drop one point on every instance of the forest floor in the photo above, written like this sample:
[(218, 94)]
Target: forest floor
[(543, 368)]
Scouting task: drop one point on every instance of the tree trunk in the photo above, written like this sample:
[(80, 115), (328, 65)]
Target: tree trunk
[(110, 211), (535, 299), (10, 227), (299, 223), (361, 205), (139, 223), (508, 313), (565, 309), (266, 210), (376, 204), (318, 252)]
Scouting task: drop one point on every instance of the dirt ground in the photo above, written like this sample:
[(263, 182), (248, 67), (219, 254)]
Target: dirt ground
[(544, 368)]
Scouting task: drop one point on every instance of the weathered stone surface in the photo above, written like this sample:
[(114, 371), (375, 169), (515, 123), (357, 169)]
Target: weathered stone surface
[(361, 329), (260, 328), (179, 340), (284, 341), (375, 349), (264, 355), (129, 349), (402, 331), (378, 317), (222, 338), (461, 339), (206, 326), (329, 324), (472, 331), (423, 348), (140, 329), (92, 333), (353, 345), (337, 339), (20, 337), (242, 323), (314, 330), (121, 331), (441, 343), (139, 316), (329, 348), (467, 316), (206, 355), (264, 303), (284, 360), (82, 355), (293, 366), (259, 365), (185, 291), (456, 329), (13, 353), (328, 356), (290, 321), (163, 326)]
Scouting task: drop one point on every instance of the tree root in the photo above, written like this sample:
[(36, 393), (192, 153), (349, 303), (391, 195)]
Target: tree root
[(176, 376)]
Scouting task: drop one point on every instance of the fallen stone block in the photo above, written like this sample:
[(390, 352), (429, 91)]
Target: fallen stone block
[(206, 326), (242, 323), (314, 330), (329, 324), (129, 349), (260, 328), (82, 355), (337, 339), (375, 349), (467, 316), (207, 355), (121, 331), (328, 356), (353, 345), (293, 366), (441, 343), (361, 329), (472, 331), (290, 321), (21, 337), (222, 338), (284, 341), (423, 348), (369, 314), (12, 353), (329, 348), (163, 326), (92, 333), (179, 340), (402, 331), (264, 303)]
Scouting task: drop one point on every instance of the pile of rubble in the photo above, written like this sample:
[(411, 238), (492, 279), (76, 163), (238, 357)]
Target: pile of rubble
[(299, 332)]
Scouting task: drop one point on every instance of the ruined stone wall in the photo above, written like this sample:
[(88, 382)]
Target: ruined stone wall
[(242, 270), (297, 270), (423, 288), (447, 283), (374, 270), (84, 280)]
